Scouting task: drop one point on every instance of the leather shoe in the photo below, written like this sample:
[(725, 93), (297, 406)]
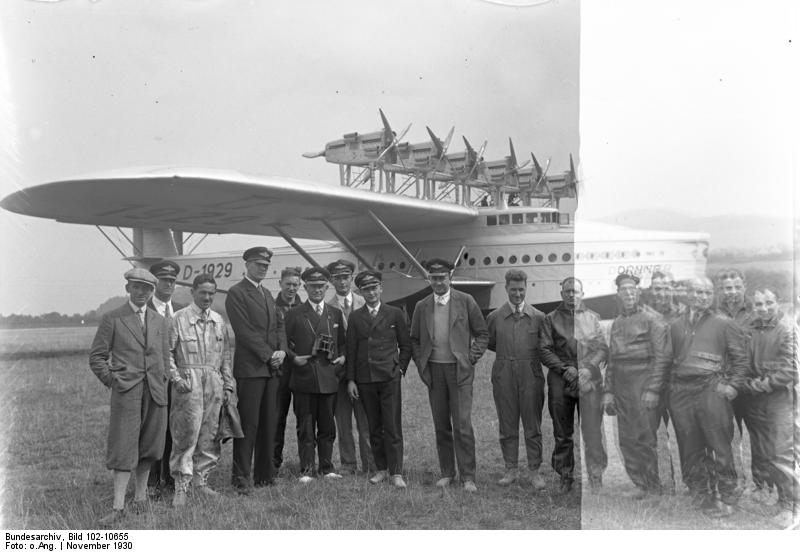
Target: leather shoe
[(444, 482), (720, 510), (378, 477), (508, 478), (398, 481), (140, 506), (332, 475), (244, 490), (206, 492), (470, 486), (566, 486), (305, 479), (538, 482), (112, 518), (264, 483)]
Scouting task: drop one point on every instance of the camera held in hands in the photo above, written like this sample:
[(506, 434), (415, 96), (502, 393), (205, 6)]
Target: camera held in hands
[(324, 346)]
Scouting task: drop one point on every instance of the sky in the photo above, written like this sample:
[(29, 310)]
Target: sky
[(675, 105)]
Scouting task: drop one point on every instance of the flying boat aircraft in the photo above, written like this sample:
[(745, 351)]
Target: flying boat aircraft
[(393, 231)]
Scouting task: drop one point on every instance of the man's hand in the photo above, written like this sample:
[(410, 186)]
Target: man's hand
[(352, 390), (182, 386), (759, 385), (650, 400), (609, 404), (727, 391), (229, 397), (570, 374), (584, 376), (277, 358), (301, 360), (338, 361), (587, 387)]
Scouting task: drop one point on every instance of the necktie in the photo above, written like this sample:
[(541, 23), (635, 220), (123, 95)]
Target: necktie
[(517, 311), (373, 313), (346, 307), (261, 291), (167, 311), (318, 309), (142, 319)]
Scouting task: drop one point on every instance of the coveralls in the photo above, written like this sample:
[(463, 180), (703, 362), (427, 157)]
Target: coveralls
[(201, 356), (574, 338), (639, 357), (708, 352), (772, 416), (517, 381)]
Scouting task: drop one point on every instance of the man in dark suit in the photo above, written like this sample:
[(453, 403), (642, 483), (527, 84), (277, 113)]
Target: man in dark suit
[(378, 353), (286, 300), (347, 408), (130, 354), (166, 272), (316, 341), (448, 336), (260, 350)]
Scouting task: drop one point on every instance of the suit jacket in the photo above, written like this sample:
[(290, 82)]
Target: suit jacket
[(121, 355), (358, 302), (468, 335), (302, 328), (258, 330), (175, 306), (377, 348)]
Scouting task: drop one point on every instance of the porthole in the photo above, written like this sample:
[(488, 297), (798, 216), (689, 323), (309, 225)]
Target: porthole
[(539, 258), (577, 256), (552, 257), (402, 265), (487, 261), (566, 257), (526, 258), (591, 255), (472, 262), (391, 265), (637, 254), (500, 260), (512, 259), (606, 254), (466, 256), (381, 266)]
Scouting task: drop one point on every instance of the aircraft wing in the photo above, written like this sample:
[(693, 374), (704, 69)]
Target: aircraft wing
[(214, 201)]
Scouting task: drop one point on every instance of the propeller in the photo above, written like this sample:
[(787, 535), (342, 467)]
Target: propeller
[(514, 170), (478, 156)]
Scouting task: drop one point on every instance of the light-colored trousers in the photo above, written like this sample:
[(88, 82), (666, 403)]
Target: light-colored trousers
[(193, 422)]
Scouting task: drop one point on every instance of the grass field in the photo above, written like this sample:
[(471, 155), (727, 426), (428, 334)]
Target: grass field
[(53, 474)]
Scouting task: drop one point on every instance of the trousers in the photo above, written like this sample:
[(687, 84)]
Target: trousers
[(451, 407)]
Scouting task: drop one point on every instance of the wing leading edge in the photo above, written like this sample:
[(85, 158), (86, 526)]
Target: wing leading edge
[(221, 202)]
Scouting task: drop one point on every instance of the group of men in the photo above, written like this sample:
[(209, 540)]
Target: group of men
[(344, 360), (703, 357)]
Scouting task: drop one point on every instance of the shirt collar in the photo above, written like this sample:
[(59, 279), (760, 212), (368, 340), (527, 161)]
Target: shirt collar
[(196, 313), (161, 306), (371, 310), (442, 299), (246, 277), (135, 308), (343, 298), (514, 307)]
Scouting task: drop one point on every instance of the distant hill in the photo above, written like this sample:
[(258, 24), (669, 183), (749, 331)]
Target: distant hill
[(728, 232)]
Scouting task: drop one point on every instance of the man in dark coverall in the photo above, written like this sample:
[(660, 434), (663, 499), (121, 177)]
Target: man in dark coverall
[(572, 347), (639, 356), (707, 374), (517, 378)]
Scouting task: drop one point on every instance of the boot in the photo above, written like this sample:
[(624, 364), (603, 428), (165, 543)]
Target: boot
[(537, 481), (201, 488), (508, 478), (181, 488)]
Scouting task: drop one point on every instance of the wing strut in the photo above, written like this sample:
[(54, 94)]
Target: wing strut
[(398, 243), (347, 243), (297, 247), (114, 244)]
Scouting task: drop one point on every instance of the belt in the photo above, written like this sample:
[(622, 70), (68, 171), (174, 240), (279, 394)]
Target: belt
[(209, 366)]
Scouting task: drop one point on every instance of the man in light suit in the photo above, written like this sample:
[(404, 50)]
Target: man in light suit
[(129, 355), (260, 350), (345, 300), (448, 336), (378, 352)]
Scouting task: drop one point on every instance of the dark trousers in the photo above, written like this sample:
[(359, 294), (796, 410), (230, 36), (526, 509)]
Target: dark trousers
[(451, 407), (562, 409), (382, 404), (518, 394), (638, 428), (159, 470), (346, 409), (316, 429), (258, 412), (703, 422), (284, 401), (770, 419)]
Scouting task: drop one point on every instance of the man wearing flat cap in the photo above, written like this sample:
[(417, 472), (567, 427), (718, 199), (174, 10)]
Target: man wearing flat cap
[(316, 343), (448, 336), (638, 360), (260, 350), (130, 355), (345, 300), (166, 272), (378, 353)]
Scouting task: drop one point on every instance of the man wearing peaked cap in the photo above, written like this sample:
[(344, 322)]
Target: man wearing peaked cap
[(130, 355), (166, 272), (260, 350), (448, 336), (346, 407), (378, 353), (316, 343)]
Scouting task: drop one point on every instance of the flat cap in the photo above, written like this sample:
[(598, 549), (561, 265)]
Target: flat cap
[(257, 254), (342, 266), (626, 276), (141, 275), (315, 275), (165, 269), (438, 266), (368, 279)]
